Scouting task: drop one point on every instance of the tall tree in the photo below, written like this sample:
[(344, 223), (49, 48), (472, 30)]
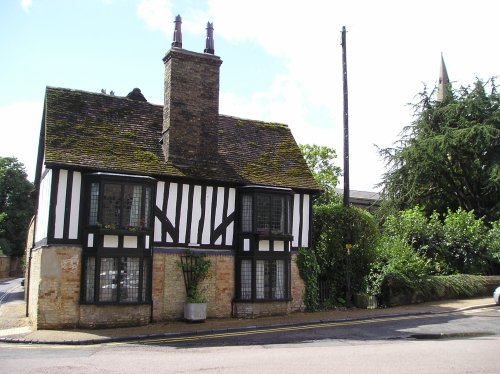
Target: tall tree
[(320, 160), (449, 157), (16, 206)]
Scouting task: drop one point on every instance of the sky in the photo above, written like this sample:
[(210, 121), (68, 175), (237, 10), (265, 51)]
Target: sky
[(282, 62)]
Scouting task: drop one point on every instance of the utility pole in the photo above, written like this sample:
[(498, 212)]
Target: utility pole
[(346, 122), (348, 246)]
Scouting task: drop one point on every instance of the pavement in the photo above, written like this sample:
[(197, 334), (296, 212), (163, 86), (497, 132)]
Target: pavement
[(15, 326)]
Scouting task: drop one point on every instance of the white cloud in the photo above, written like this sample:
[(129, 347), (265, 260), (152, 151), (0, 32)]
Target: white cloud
[(393, 47), (26, 4), (156, 13), (25, 117)]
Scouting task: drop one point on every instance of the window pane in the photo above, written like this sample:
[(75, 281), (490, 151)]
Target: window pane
[(145, 277), (279, 291), (260, 279), (94, 203), (111, 205), (132, 197), (108, 279), (262, 208), (246, 213), (147, 208), (129, 279), (90, 279), (278, 214), (246, 279)]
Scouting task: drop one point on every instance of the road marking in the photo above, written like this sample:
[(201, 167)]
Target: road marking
[(257, 331), (277, 329)]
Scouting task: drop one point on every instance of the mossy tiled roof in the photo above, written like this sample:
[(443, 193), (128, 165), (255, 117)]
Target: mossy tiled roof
[(116, 134)]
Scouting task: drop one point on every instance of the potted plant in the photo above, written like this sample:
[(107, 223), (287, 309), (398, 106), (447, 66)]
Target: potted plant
[(195, 268)]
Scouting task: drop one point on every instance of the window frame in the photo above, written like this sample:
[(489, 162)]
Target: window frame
[(121, 255), (269, 194), (247, 226)]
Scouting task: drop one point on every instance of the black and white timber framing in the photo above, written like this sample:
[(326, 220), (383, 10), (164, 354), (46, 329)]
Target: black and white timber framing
[(185, 214)]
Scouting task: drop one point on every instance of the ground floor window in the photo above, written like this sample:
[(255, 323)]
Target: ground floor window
[(116, 280), (264, 279)]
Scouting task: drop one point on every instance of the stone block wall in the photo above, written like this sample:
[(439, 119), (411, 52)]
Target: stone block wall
[(55, 287), (169, 292), (4, 266), (101, 316)]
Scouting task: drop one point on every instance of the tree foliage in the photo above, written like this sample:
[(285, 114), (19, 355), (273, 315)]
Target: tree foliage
[(320, 160), (16, 206), (449, 157)]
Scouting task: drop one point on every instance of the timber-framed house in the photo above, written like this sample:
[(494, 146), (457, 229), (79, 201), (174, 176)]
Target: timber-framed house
[(125, 187)]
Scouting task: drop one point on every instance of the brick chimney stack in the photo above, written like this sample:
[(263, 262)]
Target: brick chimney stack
[(191, 106)]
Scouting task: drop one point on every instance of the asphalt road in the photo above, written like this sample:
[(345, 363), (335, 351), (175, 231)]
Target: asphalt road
[(11, 290), (465, 342)]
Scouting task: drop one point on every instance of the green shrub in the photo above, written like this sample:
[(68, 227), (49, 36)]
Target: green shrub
[(465, 242), (309, 271), (333, 227), (453, 286), (397, 265)]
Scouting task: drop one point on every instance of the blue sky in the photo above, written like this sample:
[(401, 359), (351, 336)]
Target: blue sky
[(281, 61)]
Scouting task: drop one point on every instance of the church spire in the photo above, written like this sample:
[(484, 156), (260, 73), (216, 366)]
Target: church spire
[(444, 81)]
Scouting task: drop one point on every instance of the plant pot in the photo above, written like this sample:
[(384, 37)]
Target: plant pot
[(372, 302), (195, 312)]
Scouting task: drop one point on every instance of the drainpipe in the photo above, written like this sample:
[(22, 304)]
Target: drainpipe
[(28, 277)]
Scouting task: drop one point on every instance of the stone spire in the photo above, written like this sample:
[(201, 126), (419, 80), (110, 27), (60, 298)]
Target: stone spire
[(444, 81), (177, 32), (209, 44)]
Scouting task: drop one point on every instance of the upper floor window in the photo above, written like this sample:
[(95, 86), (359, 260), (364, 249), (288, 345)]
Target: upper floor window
[(120, 205), (266, 213)]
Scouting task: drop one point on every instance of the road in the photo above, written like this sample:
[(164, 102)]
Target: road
[(460, 342), (11, 290)]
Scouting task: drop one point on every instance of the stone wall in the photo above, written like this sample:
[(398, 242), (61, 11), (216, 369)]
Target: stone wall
[(55, 287), (169, 292), (100, 316), (4, 266)]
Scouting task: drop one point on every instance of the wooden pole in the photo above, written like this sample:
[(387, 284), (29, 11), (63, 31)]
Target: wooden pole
[(346, 121)]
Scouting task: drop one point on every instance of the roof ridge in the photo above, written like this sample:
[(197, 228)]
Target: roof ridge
[(100, 94), (255, 121)]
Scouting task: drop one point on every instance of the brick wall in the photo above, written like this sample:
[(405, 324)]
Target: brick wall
[(99, 316), (55, 287), (191, 108), (169, 292)]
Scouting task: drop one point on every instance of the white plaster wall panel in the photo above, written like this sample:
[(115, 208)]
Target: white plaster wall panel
[(171, 206), (90, 240), (130, 241), (184, 213), (231, 203), (229, 234), (279, 246), (205, 239), (196, 215), (264, 245), (60, 204), (110, 241), (305, 222), (146, 241), (246, 245), (218, 211), (296, 220), (75, 205), (42, 218), (160, 190)]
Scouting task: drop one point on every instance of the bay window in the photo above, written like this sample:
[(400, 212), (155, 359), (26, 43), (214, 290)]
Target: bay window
[(117, 257), (263, 257)]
